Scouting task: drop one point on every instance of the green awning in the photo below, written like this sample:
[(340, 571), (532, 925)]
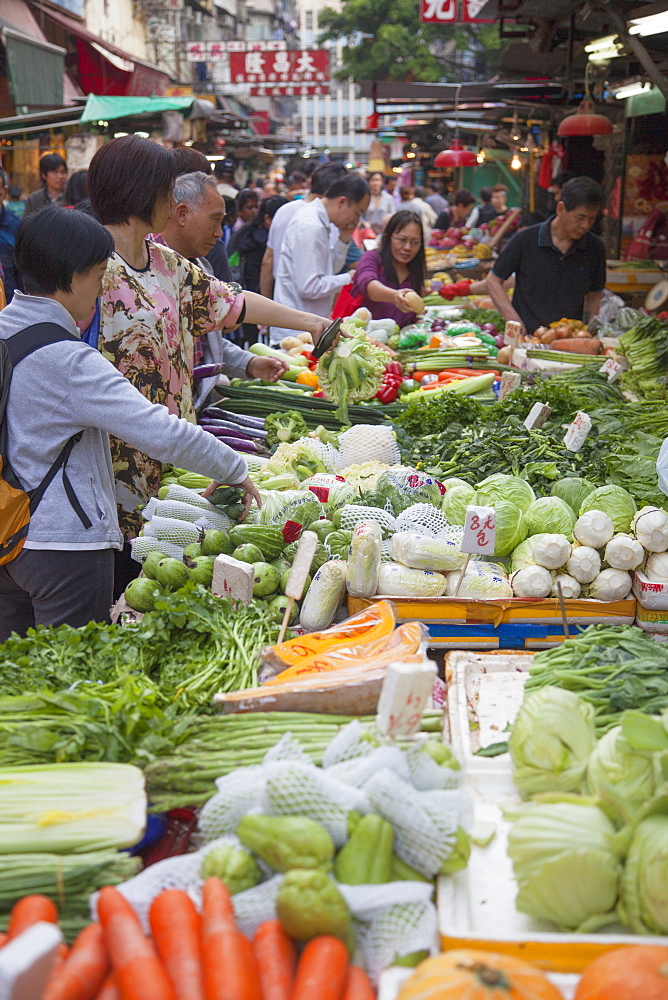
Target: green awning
[(35, 70), (107, 108)]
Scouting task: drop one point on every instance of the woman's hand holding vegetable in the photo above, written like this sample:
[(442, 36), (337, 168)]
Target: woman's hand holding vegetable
[(249, 488), (269, 369), (399, 300)]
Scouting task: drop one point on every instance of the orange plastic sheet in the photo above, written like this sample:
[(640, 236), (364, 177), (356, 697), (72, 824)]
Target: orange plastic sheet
[(399, 644)]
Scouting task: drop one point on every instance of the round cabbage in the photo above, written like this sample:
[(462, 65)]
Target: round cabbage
[(613, 501), (573, 491), (404, 486), (455, 502), (453, 481), (510, 527), (551, 515), (509, 488), (331, 490)]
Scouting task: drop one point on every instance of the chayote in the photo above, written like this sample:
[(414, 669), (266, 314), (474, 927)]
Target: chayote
[(233, 866), (310, 904), (286, 842)]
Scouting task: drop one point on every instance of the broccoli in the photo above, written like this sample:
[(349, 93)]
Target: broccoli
[(287, 426)]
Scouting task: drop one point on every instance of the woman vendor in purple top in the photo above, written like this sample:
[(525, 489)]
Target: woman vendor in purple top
[(383, 276)]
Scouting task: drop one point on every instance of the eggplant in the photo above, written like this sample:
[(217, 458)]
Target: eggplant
[(207, 371), (251, 432), (237, 444), (215, 413), (208, 425)]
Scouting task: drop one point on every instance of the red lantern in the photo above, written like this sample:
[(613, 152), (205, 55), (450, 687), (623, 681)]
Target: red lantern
[(585, 121), (456, 156)]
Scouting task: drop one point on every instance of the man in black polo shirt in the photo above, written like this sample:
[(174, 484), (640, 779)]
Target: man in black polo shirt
[(559, 266)]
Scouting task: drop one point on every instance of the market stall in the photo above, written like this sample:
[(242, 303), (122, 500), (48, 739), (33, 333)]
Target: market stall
[(261, 756)]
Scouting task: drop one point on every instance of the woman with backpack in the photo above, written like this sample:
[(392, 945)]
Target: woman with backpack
[(60, 570)]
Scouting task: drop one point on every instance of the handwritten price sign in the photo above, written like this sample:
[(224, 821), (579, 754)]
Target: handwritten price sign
[(576, 435), (403, 697), (612, 369), (479, 531)]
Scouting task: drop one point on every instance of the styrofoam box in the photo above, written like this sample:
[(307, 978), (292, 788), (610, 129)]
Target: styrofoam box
[(652, 621), (650, 594), (477, 906)]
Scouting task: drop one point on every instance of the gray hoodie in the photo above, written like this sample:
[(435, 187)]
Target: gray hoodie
[(64, 388)]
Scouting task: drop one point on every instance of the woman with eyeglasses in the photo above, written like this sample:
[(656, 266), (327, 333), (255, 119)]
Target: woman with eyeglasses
[(383, 276)]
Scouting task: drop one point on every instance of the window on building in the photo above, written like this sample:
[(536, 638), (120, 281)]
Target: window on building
[(309, 20)]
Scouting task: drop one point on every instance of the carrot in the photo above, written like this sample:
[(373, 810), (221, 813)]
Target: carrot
[(109, 990), (578, 345), (84, 971), (3, 940), (358, 986), (276, 958), (30, 910), (176, 929), (139, 972), (322, 971), (228, 964)]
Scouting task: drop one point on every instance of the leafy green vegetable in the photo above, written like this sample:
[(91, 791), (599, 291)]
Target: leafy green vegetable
[(510, 527), (499, 486), (566, 864), (612, 668), (550, 514), (550, 742), (287, 426), (614, 501), (573, 490), (405, 486), (644, 904)]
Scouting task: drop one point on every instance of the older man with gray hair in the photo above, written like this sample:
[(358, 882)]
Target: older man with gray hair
[(193, 230)]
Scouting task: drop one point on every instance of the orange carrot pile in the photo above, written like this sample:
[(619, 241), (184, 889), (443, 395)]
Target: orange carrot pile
[(189, 956)]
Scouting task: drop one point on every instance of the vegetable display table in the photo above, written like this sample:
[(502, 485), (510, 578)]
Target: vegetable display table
[(511, 623)]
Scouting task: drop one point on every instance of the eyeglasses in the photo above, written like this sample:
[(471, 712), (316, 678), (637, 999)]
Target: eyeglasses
[(405, 241)]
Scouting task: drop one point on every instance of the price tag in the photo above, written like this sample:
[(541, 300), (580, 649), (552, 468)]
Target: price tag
[(232, 579), (511, 332), (403, 697), (576, 435), (612, 369), (479, 531), (509, 382), (301, 565), (537, 416)]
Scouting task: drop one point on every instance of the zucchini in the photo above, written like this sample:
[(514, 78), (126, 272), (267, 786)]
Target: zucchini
[(269, 540)]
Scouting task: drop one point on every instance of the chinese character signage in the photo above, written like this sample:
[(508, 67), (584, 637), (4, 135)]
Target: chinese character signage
[(303, 66), (218, 51), (289, 90), (453, 11)]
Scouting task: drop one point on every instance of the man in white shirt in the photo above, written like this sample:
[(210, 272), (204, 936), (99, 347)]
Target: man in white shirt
[(307, 271), (321, 180)]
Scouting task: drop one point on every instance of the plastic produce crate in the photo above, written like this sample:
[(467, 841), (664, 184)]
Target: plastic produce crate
[(512, 623)]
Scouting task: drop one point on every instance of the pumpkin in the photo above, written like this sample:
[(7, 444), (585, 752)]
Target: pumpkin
[(639, 972), (478, 975)]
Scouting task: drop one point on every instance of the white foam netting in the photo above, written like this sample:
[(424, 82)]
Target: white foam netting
[(368, 443), (144, 545), (293, 788), (425, 774), (425, 823), (176, 492), (396, 931), (172, 529), (349, 742), (423, 518), (327, 453), (187, 512), (242, 791), (353, 513)]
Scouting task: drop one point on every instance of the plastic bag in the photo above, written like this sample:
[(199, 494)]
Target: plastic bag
[(364, 559), (423, 552), (395, 580), (324, 595), (482, 582)]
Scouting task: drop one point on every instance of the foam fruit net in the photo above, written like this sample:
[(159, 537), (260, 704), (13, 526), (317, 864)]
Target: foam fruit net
[(359, 773)]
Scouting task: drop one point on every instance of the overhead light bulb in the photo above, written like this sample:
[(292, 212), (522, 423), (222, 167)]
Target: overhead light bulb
[(632, 90), (654, 24), (481, 156), (515, 163), (410, 156)]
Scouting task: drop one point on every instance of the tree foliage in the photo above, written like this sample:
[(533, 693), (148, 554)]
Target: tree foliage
[(385, 40)]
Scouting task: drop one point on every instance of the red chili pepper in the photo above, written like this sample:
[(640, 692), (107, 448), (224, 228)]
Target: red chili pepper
[(387, 393), (319, 394)]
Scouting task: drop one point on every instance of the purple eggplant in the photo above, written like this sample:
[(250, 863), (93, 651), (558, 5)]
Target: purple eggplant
[(215, 413), (237, 444), (207, 371), (251, 432), (208, 425)]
